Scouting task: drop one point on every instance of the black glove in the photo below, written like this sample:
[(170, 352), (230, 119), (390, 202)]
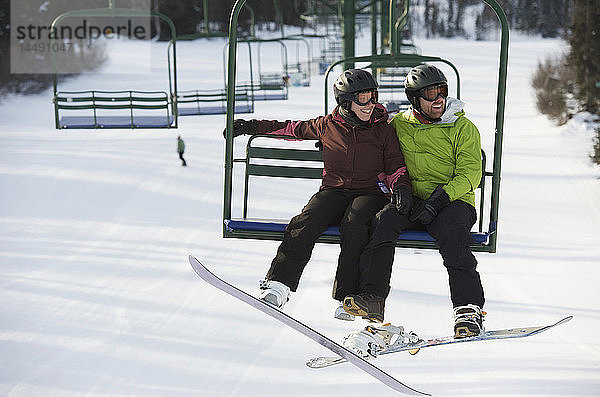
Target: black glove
[(402, 199), (243, 127), (425, 210)]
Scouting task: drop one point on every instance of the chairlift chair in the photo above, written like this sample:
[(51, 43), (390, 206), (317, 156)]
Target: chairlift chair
[(115, 109), (484, 239)]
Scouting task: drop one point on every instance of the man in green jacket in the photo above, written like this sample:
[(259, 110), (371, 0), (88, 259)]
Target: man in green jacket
[(442, 151)]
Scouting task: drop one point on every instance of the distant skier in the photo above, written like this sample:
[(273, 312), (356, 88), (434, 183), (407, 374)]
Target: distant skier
[(180, 150)]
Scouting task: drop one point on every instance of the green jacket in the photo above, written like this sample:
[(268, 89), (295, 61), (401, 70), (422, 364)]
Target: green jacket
[(446, 152)]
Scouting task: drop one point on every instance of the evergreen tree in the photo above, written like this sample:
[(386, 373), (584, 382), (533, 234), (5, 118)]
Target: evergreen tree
[(595, 156), (523, 19), (434, 23), (551, 17), (37, 12), (486, 24), (15, 83), (451, 18), (458, 22), (584, 56), (427, 17), (186, 15)]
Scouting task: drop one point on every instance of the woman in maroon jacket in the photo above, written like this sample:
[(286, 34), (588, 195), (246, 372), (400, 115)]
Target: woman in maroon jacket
[(363, 167)]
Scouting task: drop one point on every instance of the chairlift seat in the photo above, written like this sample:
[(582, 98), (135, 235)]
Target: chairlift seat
[(240, 226), (207, 110), (206, 102), (87, 122), (265, 90), (113, 109), (265, 96)]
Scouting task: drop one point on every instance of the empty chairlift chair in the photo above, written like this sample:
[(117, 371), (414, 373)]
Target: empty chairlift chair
[(112, 109), (106, 109)]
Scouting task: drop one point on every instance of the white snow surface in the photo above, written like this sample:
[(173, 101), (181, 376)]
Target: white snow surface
[(97, 297)]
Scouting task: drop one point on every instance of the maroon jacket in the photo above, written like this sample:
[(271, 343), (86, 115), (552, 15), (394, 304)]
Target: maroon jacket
[(354, 158)]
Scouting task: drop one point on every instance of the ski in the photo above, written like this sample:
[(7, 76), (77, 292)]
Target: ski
[(346, 354), (413, 347)]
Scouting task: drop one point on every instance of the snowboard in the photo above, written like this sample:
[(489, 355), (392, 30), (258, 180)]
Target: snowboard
[(345, 354), (414, 347)]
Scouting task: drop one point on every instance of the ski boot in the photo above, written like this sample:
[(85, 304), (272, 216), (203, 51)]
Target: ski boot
[(274, 293), (341, 314), (372, 341), (468, 321), (369, 306)]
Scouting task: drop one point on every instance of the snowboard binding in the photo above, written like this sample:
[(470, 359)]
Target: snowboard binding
[(374, 340)]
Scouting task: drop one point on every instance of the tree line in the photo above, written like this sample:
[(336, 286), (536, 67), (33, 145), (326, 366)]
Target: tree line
[(448, 18), (569, 83), (473, 19)]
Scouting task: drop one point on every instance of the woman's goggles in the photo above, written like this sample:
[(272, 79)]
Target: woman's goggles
[(432, 93), (364, 97)]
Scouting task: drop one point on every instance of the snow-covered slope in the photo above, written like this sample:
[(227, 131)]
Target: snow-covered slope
[(97, 297)]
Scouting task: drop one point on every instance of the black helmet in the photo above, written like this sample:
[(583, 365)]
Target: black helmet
[(420, 77), (352, 81)]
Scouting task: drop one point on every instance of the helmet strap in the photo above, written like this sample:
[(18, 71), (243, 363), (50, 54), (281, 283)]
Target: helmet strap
[(421, 115), (350, 117), (346, 105), (414, 101), (416, 104)]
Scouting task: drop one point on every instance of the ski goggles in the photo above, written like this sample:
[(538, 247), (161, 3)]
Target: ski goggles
[(433, 92), (363, 98)]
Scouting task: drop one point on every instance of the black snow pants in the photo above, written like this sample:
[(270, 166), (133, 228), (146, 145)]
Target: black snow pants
[(451, 231), (353, 211)]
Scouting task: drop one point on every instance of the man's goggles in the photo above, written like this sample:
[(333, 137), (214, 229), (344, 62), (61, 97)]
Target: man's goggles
[(364, 97), (432, 93)]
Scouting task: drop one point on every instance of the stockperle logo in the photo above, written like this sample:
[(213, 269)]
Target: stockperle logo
[(74, 36)]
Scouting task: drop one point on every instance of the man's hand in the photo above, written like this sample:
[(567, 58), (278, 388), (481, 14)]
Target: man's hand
[(424, 211), (402, 199), (243, 127)]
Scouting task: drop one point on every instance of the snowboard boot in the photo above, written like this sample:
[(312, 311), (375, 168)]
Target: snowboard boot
[(371, 341), (368, 306), (468, 321), (341, 314), (274, 293)]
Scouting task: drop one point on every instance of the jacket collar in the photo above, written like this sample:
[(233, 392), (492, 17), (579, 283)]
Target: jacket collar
[(454, 109)]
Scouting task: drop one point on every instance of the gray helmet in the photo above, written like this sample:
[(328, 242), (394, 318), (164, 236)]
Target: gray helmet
[(352, 81), (420, 77)]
